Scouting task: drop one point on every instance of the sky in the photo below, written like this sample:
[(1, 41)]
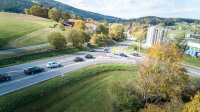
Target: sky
[(139, 8)]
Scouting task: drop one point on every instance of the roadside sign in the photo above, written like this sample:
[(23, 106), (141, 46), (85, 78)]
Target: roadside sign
[(115, 48)]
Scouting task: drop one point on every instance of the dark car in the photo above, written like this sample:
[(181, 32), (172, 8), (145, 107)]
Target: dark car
[(33, 70), (78, 59), (88, 56), (91, 50), (123, 55), (5, 77), (135, 54), (106, 50)]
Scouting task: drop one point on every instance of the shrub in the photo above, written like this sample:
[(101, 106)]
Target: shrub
[(125, 97), (57, 41), (194, 105)]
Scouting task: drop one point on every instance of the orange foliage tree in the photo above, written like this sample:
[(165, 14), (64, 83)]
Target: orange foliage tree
[(161, 74)]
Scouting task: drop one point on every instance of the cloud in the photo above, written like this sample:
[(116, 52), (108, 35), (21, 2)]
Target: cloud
[(139, 8)]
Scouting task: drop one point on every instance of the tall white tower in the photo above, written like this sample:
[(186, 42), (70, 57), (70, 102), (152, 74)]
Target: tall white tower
[(156, 36)]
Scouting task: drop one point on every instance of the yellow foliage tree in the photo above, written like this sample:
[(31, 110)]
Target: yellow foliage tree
[(194, 105), (80, 24), (161, 74)]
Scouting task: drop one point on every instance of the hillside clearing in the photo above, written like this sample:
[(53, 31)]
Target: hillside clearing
[(14, 26)]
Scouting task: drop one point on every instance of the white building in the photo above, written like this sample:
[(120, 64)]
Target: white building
[(156, 36), (194, 46)]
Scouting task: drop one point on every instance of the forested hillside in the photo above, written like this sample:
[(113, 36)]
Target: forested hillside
[(18, 6)]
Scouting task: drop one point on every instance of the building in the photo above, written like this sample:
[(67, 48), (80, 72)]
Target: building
[(193, 49), (72, 22), (91, 26), (182, 28), (156, 36)]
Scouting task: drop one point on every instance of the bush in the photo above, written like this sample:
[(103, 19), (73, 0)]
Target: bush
[(10, 102), (57, 41), (194, 105), (125, 97)]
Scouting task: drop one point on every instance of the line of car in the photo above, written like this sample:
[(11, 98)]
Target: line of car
[(35, 70)]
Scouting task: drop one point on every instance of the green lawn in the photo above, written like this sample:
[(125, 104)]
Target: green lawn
[(193, 61), (178, 31), (91, 95), (18, 30)]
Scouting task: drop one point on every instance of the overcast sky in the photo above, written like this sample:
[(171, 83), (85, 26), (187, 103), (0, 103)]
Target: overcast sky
[(138, 8)]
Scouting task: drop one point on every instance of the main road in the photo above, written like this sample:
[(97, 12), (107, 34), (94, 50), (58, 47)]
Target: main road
[(19, 80)]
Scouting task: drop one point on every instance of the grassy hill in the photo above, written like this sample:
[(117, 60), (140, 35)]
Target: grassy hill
[(18, 6), (19, 30), (91, 95)]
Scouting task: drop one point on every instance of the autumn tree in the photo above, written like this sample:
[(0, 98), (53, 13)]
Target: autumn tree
[(77, 37), (161, 74), (194, 105), (38, 11), (65, 16), (97, 38), (102, 29), (27, 11), (117, 32), (73, 16), (57, 41), (180, 42), (35, 10), (80, 24), (54, 14)]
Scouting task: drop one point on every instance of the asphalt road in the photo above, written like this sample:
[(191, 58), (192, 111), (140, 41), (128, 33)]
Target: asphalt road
[(20, 80)]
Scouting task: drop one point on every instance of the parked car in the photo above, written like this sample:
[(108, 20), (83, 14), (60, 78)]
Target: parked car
[(5, 77), (106, 50), (33, 70), (53, 64), (116, 53), (123, 55), (78, 59), (135, 54), (91, 50), (88, 56)]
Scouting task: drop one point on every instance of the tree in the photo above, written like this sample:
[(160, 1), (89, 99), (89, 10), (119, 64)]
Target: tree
[(74, 37), (102, 29), (117, 32), (194, 105), (161, 74), (96, 38), (180, 43), (35, 10), (85, 35), (27, 11), (54, 14), (65, 16), (80, 24), (73, 16), (57, 41)]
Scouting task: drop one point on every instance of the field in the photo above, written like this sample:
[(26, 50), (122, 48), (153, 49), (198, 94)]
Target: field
[(90, 95), (193, 61), (86, 89), (19, 30), (178, 31)]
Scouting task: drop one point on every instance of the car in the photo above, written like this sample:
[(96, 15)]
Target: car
[(88, 56), (53, 65), (135, 54), (78, 59), (123, 55), (106, 50), (91, 50), (33, 70), (5, 77), (116, 53)]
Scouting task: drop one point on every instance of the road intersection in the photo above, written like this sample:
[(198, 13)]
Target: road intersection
[(20, 80)]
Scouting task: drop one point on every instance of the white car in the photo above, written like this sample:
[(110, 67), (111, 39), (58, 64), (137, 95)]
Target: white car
[(53, 65)]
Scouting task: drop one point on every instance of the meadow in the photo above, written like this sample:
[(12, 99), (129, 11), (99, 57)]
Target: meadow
[(19, 30)]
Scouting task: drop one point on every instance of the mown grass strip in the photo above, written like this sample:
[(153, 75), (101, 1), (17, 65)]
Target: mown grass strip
[(10, 102), (38, 56)]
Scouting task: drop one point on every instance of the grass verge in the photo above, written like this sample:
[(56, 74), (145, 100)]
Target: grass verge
[(193, 61), (23, 97), (38, 56)]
